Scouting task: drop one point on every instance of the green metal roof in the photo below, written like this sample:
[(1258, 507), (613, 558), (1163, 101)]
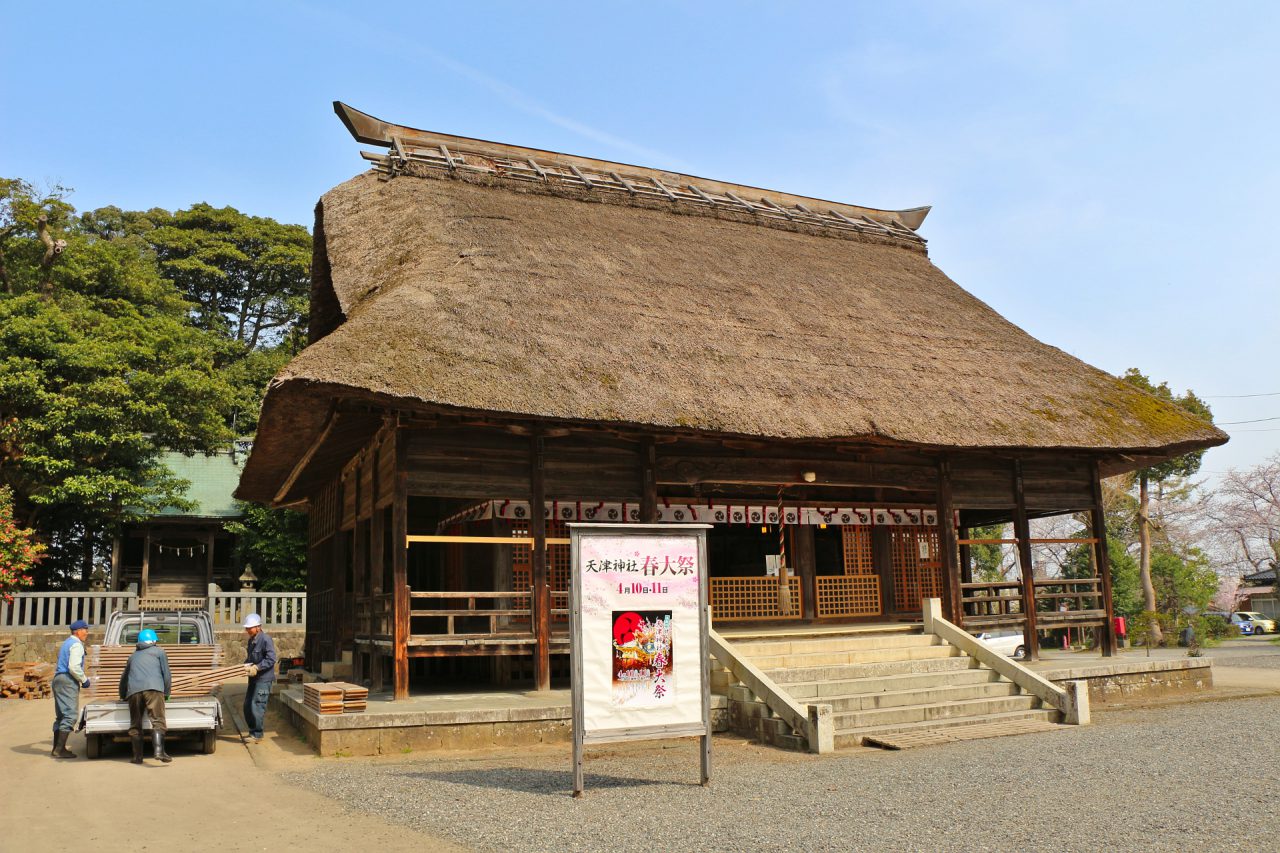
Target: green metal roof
[(213, 479)]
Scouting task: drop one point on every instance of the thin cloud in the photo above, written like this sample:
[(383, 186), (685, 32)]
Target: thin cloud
[(500, 88)]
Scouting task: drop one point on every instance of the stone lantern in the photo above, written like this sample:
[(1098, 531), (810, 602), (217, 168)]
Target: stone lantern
[(98, 580), (248, 580)]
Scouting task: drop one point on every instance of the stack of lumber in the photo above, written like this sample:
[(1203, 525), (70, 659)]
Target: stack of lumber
[(354, 697), (6, 646), (187, 667), (26, 680), (200, 683), (323, 698)]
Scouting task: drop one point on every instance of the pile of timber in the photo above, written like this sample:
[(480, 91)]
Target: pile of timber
[(200, 683), (187, 667), (6, 646), (26, 680), (335, 697)]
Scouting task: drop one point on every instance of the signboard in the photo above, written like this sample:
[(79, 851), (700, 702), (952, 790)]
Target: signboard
[(638, 635)]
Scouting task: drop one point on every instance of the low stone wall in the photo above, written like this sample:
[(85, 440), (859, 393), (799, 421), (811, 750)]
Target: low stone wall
[(44, 645), (387, 731), (1128, 680)]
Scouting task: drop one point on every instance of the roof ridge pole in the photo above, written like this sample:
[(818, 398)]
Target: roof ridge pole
[(1102, 560), (1022, 532), (541, 598)]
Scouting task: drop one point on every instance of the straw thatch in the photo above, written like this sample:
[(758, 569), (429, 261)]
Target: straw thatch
[(488, 295)]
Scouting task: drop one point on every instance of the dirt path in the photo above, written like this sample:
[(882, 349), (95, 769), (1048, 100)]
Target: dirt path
[(218, 802)]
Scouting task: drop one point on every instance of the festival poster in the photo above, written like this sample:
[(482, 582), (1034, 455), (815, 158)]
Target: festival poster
[(640, 630), (642, 659)]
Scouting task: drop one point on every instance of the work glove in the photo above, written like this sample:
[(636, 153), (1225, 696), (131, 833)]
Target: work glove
[(85, 685), (166, 697), (251, 669)]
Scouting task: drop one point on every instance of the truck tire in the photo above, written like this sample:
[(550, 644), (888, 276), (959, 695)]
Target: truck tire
[(93, 746), (210, 742)]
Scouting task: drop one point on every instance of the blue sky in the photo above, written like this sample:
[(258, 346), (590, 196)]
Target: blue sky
[(1101, 173)]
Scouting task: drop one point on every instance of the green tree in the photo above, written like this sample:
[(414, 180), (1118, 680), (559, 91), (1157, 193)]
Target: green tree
[(248, 277), (98, 373), (1180, 466), (274, 542), (989, 564)]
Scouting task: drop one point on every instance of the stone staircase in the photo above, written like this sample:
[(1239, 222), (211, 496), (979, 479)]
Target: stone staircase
[(890, 681)]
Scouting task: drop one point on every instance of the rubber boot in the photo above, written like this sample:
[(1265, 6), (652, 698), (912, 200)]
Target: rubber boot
[(60, 745), (136, 741), (157, 743)]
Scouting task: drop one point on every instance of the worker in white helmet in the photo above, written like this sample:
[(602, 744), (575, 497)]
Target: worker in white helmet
[(260, 666)]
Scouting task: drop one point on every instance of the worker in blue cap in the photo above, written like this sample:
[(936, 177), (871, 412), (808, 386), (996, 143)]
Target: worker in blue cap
[(145, 684), (68, 680)]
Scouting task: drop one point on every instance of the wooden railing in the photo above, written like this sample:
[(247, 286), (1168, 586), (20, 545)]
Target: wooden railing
[(499, 610), (37, 610), (1069, 601), (755, 597), (848, 595), (992, 604)]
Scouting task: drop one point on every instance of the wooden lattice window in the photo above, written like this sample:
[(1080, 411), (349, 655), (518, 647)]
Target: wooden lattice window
[(848, 595), (557, 558), (857, 550), (752, 598), (917, 567)]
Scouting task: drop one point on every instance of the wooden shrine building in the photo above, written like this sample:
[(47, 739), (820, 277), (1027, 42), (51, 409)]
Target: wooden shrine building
[(504, 340)]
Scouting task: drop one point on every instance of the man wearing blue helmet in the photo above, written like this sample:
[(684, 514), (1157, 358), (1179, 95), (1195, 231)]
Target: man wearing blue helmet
[(68, 680), (145, 684)]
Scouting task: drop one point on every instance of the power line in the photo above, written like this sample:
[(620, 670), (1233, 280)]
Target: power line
[(1233, 431), (1254, 421), (1238, 396)]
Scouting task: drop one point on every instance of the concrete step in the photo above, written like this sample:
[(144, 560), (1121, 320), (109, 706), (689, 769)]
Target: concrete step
[(808, 660), (806, 645), (846, 738), (847, 671), (745, 635), (921, 697), (934, 711), (818, 691)]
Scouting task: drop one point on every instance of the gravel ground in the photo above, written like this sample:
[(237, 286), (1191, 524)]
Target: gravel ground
[(1168, 778)]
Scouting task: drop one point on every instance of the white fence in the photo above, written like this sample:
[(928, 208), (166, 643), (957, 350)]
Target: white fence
[(54, 610), (283, 609)]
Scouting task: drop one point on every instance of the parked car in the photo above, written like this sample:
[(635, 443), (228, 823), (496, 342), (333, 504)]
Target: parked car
[(1253, 622), (1008, 643)]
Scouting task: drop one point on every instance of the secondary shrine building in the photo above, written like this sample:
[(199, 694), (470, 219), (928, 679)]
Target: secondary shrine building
[(506, 340)]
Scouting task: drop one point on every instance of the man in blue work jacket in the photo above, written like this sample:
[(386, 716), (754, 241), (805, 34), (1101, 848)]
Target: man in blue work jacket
[(260, 666), (68, 680)]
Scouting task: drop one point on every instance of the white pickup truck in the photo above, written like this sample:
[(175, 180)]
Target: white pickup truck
[(196, 717)]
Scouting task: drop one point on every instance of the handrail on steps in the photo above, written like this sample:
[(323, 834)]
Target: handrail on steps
[(1073, 701), (814, 721)]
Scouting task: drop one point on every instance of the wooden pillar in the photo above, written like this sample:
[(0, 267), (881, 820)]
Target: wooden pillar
[(146, 562), (1102, 559), (400, 571), (648, 483), (966, 558), (947, 546), (538, 559), (1022, 531), (209, 539), (882, 560), (806, 564), (502, 582), (117, 545)]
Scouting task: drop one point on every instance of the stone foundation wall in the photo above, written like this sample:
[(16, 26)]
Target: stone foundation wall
[(1125, 682), (44, 645)]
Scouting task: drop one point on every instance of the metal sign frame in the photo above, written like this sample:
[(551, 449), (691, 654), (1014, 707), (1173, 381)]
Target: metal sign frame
[(623, 733)]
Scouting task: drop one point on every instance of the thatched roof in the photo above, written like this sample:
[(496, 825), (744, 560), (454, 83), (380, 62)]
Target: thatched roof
[(474, 291)]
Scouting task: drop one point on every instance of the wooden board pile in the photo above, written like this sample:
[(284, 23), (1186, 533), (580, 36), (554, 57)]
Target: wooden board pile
[(6, 646), (26, 680), (200, 683), (187, 667), (335, 697)]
